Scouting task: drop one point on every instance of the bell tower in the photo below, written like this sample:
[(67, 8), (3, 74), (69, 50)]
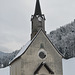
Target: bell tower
[(37, 20)]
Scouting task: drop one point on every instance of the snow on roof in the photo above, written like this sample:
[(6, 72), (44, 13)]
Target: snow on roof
[(21, 51)]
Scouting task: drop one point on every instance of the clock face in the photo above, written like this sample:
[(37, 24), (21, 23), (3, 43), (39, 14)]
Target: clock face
[(39, 18), (42, 55)]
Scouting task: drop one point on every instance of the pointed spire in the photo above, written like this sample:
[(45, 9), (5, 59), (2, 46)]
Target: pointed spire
[(37, 8)]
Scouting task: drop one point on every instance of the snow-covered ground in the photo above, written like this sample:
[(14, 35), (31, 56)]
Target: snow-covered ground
[(5, 71), (68, 68)]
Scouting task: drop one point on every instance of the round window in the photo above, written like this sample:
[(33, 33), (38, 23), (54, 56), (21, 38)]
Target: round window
[(42, 55)]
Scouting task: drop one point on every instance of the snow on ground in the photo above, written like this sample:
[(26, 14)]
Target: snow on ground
[(68, 68), (5, 71)]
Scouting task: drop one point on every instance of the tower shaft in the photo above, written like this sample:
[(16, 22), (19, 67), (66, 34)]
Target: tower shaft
[(37, 20)]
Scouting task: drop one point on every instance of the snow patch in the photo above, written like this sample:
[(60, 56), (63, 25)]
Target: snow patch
[(68, 66), (5, 71)]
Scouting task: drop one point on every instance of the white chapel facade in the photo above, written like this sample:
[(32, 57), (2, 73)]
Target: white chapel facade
[(38, 56)]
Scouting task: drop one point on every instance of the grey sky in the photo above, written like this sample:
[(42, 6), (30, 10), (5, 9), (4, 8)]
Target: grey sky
[(15, 15)]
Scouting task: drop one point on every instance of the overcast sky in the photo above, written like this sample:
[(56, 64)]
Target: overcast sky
[(15, 15)]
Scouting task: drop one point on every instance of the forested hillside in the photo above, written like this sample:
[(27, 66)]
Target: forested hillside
[(5, 58), (64, 39)]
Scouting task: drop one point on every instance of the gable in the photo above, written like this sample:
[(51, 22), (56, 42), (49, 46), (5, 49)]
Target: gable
[(41, 36), (31, 57)]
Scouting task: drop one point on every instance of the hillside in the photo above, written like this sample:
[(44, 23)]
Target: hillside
[(63, 39), (5, 58)]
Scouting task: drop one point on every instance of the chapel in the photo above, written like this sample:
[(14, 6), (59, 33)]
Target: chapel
[(39, 56)]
